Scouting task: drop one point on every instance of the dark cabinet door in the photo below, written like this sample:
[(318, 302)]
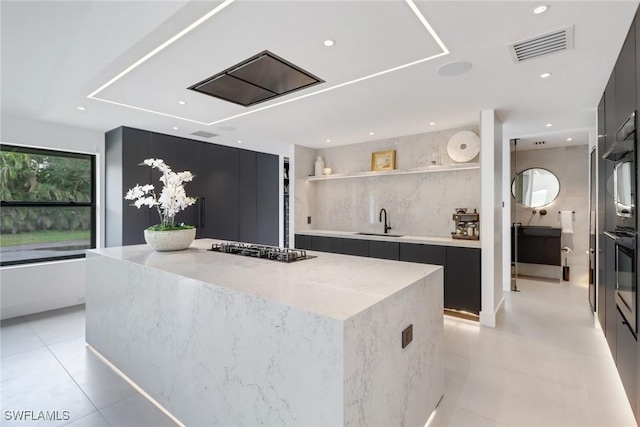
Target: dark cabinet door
[(610, 112), (385, 250), (220, 179), (462, 279), (601, 211), (268, 211), (136, 147), (425, 254), (326, 244), (180, 154), (355, 247), (611, 311), (626, 356), (248, 214), (303, 242), (625, 77)]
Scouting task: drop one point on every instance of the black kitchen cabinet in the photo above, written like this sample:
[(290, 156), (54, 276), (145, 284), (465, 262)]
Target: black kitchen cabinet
[(462, 281), (303, 242), (610, 112), (355, 247), (385, 250), (248, 214), (611, 311), (220, 175), (326, 244), (123, 222), (625, 79), (237, 190), (462, 290), (601, 212), (425, 254), (627, 353)]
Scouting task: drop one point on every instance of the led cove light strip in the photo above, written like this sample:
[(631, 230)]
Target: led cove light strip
[(213, 12)]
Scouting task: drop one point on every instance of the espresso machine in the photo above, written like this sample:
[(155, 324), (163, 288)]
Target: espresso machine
[(467, 225)]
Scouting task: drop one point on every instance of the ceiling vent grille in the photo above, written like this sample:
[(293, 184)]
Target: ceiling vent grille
[(204, 134), (544, 44)]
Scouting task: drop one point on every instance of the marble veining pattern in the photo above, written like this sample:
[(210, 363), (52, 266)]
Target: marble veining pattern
[(223, 354), (418, 204)]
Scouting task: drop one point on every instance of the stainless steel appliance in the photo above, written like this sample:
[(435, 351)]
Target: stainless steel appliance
[(261, 251), (622, 152), (625, 272), (467, 225)]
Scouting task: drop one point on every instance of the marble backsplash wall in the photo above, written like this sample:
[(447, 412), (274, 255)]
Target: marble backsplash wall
[(571, 166), (417, 204)]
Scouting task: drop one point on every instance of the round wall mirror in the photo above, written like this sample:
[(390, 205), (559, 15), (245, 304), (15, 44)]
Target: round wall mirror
[(535, 187)]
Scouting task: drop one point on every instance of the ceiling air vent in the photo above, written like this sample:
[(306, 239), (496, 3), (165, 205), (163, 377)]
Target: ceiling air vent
[(544, 44), (204, 134), (260, 78)]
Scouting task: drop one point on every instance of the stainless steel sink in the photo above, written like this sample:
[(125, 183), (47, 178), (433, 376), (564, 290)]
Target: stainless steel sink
[(380, 234)]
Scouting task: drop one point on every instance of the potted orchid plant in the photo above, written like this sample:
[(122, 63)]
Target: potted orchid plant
[(166, 236)]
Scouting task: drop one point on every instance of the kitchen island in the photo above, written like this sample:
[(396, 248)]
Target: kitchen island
[(221, 339)]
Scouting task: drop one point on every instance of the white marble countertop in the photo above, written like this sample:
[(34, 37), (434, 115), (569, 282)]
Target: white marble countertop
[(337, 286), (425, 240)]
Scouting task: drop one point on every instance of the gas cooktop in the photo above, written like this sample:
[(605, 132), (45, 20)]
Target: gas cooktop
[(261, 251)]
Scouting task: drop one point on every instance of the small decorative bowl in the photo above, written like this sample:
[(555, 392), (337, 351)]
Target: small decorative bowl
[(326, 171)]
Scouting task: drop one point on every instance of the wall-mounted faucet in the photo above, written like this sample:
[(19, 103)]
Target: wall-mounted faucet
[(386, 227)]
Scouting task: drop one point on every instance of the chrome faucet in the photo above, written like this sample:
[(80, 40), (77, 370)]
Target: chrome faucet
[(386, 227)]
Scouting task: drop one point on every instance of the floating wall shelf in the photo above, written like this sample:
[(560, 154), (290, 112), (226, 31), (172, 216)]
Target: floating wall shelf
[(427, 169)]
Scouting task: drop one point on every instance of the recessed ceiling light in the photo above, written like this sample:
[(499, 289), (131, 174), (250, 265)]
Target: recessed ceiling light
[(80, 108), (329, 43), (548, 125), (181, 102), (432, 123), (545, 75), (175, 128), (371, 133), (239, 142), (540, 9), (328, 140), (569, 139)]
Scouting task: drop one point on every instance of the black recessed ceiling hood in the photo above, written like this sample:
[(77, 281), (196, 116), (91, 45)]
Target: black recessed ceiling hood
[(260, 78)]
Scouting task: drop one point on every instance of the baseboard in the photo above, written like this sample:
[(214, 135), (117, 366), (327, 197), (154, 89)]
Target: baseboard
[(490, 319)]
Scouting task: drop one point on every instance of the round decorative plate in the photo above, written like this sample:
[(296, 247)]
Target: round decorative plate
[(463, 146)]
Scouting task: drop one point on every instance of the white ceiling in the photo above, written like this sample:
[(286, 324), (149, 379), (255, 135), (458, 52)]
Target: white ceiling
[(55, 54)]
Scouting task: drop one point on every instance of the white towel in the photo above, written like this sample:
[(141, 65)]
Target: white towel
[(566, 222)]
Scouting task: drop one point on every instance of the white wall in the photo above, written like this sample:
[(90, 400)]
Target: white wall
[(33, 288), (491, 214)]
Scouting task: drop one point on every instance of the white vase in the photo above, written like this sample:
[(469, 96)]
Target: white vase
[(173, 240), (319, 166)]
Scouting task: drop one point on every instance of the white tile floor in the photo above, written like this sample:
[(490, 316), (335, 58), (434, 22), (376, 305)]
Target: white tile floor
[(544, 365)]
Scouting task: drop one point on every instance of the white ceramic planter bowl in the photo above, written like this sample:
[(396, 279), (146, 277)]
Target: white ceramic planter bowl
[(174, 240)]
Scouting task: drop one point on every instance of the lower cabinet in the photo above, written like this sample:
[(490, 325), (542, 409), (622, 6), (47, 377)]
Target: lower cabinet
[(626, 358), (384, 250), (355, 247), (462, 279), (462, 288), (303, 242), (326, 244)]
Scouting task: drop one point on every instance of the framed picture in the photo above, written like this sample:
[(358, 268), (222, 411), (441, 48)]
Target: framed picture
[(383, 160)]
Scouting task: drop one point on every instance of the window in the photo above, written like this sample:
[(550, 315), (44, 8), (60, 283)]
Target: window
[(48, 209)]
